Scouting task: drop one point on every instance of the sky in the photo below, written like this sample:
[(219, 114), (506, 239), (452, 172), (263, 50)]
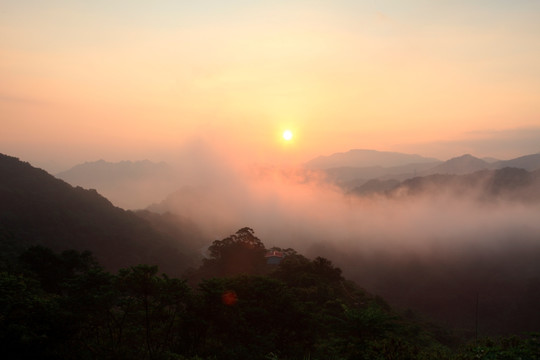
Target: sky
[(130, 80)]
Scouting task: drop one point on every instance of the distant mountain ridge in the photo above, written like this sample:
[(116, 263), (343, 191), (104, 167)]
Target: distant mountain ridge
[(366, 158), (128, 184), (350, 177), (460, 165), (120, 169), (527, 162), (467, 164)]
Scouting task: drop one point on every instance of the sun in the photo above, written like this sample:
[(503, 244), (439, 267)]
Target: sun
[(287, 135)]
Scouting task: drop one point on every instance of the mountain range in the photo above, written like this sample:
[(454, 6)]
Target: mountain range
[(366, 158), (38, 209), (361, 166), (140, 184)]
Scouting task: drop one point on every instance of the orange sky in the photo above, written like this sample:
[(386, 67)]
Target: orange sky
[(134, 79)]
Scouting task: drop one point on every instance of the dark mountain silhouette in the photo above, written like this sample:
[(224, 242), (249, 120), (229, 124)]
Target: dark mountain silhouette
[(486, 185), (177, 227), (37, 208), (130, 185), (366, 158)]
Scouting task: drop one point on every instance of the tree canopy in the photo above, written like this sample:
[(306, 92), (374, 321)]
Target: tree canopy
[(239, 253), (66, 306)]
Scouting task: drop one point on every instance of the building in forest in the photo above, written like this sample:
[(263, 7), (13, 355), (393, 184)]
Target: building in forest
[(274, 257)]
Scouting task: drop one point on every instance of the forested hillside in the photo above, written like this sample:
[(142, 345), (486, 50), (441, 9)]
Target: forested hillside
[(36, 208)]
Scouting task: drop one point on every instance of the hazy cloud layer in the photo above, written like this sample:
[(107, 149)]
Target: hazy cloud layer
[(433, 252), (293, 207)]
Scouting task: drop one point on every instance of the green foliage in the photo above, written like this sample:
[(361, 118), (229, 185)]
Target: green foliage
[(65, 306)]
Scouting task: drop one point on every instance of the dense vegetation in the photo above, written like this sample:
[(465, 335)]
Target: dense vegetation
[(66, 306)]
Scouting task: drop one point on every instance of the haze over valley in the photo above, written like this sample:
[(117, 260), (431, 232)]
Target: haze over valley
[(413, 233)]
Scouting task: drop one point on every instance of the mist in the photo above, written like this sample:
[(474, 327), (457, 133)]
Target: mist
[(434, 250), (291, 206), (435, 244)]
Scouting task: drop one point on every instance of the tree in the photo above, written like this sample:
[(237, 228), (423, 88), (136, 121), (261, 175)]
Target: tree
[(240, 253)]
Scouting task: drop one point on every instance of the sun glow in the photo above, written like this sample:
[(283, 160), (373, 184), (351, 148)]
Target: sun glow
[(287, 135)]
